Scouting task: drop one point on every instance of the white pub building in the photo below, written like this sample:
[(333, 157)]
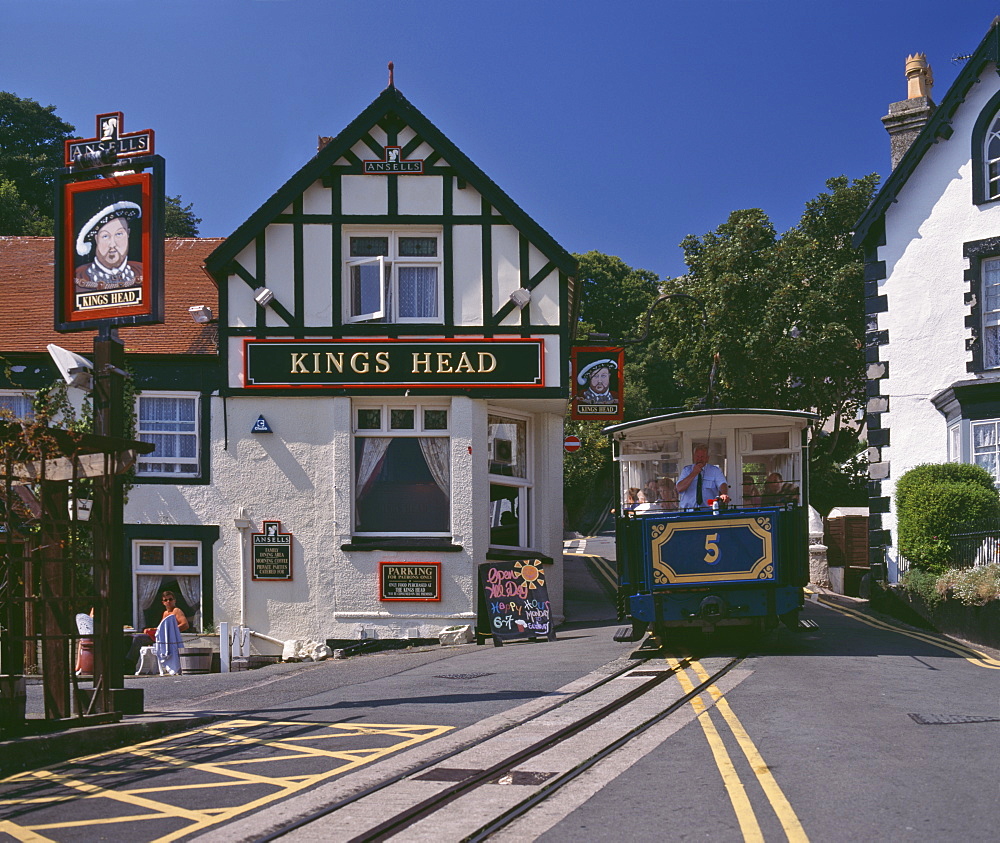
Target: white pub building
[(394, 335)]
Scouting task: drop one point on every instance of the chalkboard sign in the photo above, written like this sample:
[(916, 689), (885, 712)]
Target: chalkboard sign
[(515, 601)]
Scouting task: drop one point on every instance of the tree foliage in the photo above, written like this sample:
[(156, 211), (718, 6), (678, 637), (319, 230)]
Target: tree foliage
[(31, 150), (179, 220), (782, 326), (785, 314)]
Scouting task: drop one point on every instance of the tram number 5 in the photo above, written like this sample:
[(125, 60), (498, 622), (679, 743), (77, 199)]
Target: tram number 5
[(711, 548)]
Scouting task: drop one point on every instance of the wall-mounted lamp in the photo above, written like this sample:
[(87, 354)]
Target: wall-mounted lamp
[(520, 297), (201, 313), (263, 296)]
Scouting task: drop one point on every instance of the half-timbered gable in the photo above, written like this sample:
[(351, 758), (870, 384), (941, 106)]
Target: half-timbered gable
[(457, 248), (396, 337)]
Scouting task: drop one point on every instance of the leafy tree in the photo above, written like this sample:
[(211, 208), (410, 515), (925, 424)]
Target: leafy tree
[(785, 314), (180, 221), (17, 217), (31, 150)]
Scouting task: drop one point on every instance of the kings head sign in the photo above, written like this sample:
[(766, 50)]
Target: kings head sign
[(462, 363)]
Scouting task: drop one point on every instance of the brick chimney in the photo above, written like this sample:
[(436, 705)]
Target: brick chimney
[(905, 119)]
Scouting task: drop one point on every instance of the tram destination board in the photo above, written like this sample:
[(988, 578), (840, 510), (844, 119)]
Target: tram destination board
[(272, 553), (515, 602)]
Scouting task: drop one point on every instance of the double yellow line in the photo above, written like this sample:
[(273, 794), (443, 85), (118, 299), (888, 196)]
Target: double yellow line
[(745, 815), (971, 655)]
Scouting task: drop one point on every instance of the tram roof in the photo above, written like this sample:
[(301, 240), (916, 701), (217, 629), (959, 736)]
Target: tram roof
[(696, 414)]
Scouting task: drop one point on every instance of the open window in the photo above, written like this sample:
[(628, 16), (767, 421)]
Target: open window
[(393, 276)]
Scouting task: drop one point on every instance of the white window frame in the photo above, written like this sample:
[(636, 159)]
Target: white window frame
[(194, 462), (168, 570), (524, 485), (386, 431), (389, 266)]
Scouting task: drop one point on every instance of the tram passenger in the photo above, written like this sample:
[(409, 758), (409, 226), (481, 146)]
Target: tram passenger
[(667, 494), (645, 504), (631, 499), (751, 494)]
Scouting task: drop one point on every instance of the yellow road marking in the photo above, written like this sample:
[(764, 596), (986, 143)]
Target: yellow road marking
[(19, 833), (779, 802), (730, 778), (155, 750), (971, 655), (603, 566)]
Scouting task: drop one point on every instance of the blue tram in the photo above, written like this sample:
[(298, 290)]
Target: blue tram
[(743, 563)]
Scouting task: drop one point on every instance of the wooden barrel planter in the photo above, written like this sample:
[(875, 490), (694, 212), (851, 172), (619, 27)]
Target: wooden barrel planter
[(196, 660)]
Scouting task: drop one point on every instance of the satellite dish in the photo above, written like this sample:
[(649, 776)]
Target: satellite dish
[(74, 368)]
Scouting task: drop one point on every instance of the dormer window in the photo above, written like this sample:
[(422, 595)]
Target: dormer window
[(393, 276)]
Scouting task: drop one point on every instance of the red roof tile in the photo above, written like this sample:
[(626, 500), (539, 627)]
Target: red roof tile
[(26, 310)]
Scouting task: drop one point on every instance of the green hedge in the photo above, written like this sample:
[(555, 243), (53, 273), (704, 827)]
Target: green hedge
[(931, 501)]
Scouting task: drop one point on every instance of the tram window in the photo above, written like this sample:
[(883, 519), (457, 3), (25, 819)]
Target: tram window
[(771, 480)]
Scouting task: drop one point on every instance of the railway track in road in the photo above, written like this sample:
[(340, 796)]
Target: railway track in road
[(473, 792)]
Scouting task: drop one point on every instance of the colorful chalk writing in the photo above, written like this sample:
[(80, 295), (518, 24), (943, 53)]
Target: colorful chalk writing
[(516, 600)]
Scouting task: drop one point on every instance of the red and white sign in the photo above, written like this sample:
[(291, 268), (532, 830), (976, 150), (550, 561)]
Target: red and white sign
[(572, 443)]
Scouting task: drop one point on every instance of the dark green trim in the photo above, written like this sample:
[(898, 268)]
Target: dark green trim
[(381, 329), (937, 128), (486, 393), (298, 267), (207, 534), (448, 247), (389, 102), (373, 220), (523, 257), (337, 233), (260, 251), (403, 543), (487, 258)]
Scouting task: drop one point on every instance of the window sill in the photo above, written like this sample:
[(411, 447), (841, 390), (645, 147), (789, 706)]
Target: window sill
[(402, 543), (505, 554)]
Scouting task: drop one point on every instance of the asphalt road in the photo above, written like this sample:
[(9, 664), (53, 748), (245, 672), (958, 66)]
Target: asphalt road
[(849, 728)]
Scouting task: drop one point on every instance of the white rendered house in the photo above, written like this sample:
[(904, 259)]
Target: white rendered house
[(932, 249)]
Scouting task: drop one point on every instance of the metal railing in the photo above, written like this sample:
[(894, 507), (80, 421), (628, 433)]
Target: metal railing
[(976, 543)]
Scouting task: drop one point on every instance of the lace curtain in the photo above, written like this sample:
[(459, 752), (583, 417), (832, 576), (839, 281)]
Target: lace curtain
[(372, 454), (435, 451), (418, 292)]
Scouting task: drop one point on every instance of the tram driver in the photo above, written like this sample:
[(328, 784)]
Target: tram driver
[(701, 482)]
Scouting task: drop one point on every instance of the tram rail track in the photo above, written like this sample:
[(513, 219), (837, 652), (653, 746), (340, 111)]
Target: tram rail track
[(452, 784)]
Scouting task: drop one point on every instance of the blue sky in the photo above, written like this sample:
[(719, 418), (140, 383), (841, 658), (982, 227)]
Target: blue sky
[(617, 126)]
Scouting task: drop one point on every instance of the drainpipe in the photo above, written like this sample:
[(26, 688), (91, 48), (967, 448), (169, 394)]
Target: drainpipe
[(242, 524)]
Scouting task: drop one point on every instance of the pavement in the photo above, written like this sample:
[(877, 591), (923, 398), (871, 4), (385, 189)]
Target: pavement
[(174, 704)]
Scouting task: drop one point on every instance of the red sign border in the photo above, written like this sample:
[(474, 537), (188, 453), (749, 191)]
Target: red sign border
[(66, 285), (537, 341), (437, 585), (618, 353)]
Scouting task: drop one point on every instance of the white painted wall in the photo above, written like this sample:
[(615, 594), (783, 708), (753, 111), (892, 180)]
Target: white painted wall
[(925, 231)]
